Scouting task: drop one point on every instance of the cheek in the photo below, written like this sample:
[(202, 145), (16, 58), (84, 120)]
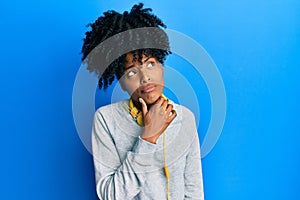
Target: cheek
[(130, 86), (160, 76)]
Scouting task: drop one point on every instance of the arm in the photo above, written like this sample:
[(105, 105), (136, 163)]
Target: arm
[(116, 180), (193, 172)]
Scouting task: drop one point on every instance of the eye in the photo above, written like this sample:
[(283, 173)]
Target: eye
[(130, 73), (150, 64)]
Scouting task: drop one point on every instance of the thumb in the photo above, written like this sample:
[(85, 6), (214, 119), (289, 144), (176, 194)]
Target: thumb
[(144, 106)]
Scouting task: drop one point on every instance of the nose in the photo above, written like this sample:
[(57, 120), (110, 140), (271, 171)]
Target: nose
[(144, 76)]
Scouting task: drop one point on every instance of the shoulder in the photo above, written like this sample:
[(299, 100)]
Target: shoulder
[(111, 111), (183, 113), (185, 122), (118, 106)]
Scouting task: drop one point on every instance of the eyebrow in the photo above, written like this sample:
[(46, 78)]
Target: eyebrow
[(133, 65), (147, 59), (126, 68)]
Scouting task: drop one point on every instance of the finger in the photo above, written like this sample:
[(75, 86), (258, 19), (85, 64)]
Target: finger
[(169, 109), (165, 104), (172, 117), (159, 101), (144, 106)]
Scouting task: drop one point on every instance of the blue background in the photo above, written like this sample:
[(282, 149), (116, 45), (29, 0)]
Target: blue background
[(255, 45)]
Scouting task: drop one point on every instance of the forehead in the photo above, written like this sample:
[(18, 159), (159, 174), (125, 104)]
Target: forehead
[(132, 59)]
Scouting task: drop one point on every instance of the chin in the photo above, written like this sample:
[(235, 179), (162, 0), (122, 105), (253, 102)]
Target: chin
[(151, 98)]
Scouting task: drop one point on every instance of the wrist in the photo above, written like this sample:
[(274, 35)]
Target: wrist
[(147, 137), (151, 140)]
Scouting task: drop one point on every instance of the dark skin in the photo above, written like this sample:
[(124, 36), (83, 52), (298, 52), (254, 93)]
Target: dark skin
[(156, 119), (144, 82)]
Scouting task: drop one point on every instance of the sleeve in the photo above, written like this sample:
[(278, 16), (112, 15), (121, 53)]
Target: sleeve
[(193, 181), (116, 180)]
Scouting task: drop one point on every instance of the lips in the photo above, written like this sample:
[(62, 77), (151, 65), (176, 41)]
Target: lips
[(148, 88)]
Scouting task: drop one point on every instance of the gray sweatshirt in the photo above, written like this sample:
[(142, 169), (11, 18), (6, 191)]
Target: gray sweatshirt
[(128, 167)]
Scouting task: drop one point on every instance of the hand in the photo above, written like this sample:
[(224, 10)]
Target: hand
[(156, 119)]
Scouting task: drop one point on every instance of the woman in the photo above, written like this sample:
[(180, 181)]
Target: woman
[(146, 147)]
